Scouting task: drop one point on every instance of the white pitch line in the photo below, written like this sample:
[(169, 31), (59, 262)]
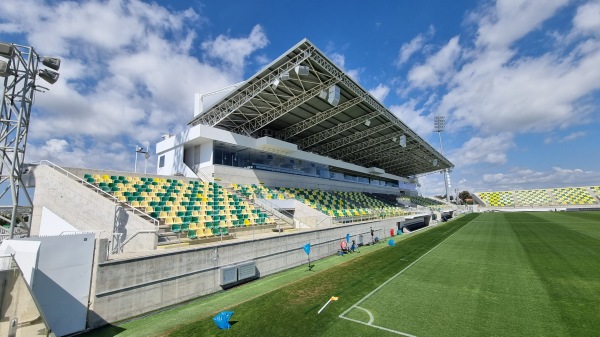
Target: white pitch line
[(388, 281), (380, 327), (371, 317)]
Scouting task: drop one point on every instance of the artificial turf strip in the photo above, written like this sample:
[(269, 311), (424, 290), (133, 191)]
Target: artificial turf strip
[(508, 274), (292, 310), (158, 324)]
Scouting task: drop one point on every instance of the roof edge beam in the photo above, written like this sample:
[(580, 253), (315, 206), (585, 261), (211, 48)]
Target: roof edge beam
[(226, 107)]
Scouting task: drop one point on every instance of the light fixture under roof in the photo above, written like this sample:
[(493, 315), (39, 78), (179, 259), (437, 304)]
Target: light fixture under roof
[(435, 162), (301, 70), (333, 96), (403, 140), (275, 83), (285, 76), (368, 122)]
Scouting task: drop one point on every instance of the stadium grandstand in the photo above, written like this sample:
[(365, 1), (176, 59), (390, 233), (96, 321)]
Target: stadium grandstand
[(585, 197), (297, 154)]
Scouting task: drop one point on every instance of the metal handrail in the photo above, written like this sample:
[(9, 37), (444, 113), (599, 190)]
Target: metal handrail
[(100, 191), (289, 218)]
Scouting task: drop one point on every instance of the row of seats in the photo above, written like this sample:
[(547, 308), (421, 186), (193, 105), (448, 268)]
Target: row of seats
[(421, 201), (497, 199), (542, 197), (183, 206), (365, 201), (335, 204)]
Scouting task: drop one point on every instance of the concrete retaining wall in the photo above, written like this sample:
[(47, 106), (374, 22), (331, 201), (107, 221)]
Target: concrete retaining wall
[(135, 286), (84, 209)]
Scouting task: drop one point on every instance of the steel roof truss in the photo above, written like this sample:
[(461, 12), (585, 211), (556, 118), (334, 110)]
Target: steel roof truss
[(226, 107), (269, 116), (321, 136), (306, 124), (328, 147)]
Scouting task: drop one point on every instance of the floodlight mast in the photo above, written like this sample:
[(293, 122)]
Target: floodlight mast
[(439, 124), (19, 67)]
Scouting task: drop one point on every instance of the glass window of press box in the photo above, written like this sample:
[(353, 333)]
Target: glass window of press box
[(237, 156)]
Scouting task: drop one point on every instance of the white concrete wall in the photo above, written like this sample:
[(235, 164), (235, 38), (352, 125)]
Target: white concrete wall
[(86, 209), (127, 288), (201, 134), (206, 154)]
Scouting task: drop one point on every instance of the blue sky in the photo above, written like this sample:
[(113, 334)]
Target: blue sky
[(517, 80)]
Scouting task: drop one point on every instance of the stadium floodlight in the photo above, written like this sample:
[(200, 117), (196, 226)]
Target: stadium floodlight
[(323, 94), (301, 70), (4, 69), (49, 75), (285, 76), (368, 122), (7, 50), (51, 62), (21, 71), (435, 162), (439, 124), (139, 149), (394, 139), (403, 140)]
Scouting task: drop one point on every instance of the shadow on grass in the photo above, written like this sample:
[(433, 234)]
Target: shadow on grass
[(105, 331)]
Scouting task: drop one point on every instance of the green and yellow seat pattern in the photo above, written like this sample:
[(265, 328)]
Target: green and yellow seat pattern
[(533, 197), (573, 196), (497, 199), (200, 209)]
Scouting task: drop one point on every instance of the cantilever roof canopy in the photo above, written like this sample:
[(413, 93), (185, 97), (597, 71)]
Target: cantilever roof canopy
[(305, 99)]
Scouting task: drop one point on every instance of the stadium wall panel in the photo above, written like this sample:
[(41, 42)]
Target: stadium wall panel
[(84, 209), (131, 287)]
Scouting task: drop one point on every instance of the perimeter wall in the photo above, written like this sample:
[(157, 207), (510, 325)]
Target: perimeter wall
[(131, 287)]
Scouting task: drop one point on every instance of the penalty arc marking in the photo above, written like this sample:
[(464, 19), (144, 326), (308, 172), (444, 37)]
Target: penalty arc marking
[(371, 318)]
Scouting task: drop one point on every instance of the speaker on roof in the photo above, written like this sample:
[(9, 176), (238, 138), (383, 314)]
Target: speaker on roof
[(334, 95)]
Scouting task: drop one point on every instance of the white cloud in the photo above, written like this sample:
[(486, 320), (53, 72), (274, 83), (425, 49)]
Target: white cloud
[(380, 92), (526, 178), (416, 119), (490, 150), (587, 19), (570, 137), (510, 20), (234, 51), (410, 48), (437, 68), (340, 61), (128, 73)]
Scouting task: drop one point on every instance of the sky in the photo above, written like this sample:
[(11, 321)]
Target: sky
[(518, 81)]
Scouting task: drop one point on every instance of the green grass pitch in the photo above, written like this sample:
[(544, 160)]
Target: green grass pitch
[(500, 274)]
